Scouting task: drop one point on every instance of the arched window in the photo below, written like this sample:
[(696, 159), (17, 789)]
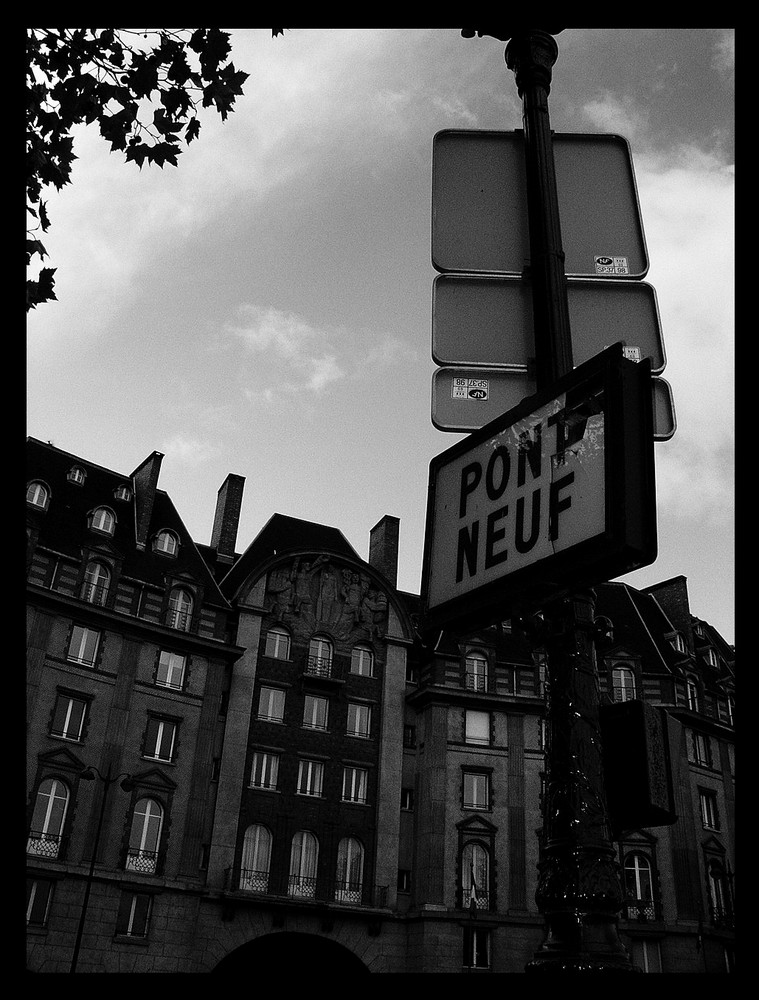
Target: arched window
[(304, 860), (103, 520), (166, 542), (719, 895), (256, 859), (362, 660), (122, 493), (49, 815), (475, 876), (476, 672), (97, 580), (145, 837), (320, 656), (639, 899), (180, 609), (350, 871), (38, 495), (77, 475), (623, 683), (277, 643)]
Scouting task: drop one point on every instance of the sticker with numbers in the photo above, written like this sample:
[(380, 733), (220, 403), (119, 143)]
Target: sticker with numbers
[(469, 388), (611, 265)]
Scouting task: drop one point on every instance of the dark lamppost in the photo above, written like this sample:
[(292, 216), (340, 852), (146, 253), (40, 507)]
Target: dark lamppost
[(579, 891), (89, 774)]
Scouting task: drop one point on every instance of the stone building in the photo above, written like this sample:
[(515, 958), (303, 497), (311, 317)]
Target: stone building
[(239, 755)]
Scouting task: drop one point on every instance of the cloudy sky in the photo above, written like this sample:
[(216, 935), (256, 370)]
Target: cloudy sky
[(265, 307)]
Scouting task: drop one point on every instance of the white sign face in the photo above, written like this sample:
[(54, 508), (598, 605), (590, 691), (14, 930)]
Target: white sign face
[(533, 490), (488, 321), (479, 204)]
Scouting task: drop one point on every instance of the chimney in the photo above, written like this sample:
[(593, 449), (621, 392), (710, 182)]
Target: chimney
[(227, 519), (145, 482), (383, 547)]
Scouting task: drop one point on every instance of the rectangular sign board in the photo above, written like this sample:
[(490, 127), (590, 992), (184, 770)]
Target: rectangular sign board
[(479, 204), (465, 399), (488, 321), (557, 493)]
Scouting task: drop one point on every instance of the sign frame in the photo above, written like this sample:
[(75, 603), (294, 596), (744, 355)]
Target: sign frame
[(628, 540)]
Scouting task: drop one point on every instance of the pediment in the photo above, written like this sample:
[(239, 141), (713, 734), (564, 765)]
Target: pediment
[(154, 778), (63, 758), (476, 824)]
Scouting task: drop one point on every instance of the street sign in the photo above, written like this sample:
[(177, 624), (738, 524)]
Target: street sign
[(557, 493), (500, 390), (479, 204), (488, 321)]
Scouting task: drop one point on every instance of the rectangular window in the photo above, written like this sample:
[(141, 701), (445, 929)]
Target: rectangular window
[(159, 739), (709, 814), (134, 914), (355, 780), (359, 719), (702, 751), (476, 948), (271, 704), (409, 737), (310, 777), (265, 769), (407, 799), (39, 892), (476, 790), (315, 712), (170, 671), (83, 646), (404, 880), (68, 717), (362, 661), (477, 728)]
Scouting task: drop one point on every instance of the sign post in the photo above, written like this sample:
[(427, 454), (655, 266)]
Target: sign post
[(579, 891)]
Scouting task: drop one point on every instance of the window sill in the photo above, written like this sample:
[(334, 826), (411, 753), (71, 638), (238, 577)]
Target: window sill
[(131, 939)]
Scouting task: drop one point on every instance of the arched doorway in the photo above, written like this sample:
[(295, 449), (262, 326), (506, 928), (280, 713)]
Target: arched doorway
[(294, 952)]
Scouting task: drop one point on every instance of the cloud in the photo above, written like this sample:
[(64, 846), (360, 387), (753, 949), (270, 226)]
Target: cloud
[(613, 114), (189, 451), (296, 355)]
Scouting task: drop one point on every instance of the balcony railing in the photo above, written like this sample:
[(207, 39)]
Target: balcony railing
[(263, 883), (641, 910), (180, 620), (475, 682), (44, 845), (144, 862), (319, 666), (95, 593)]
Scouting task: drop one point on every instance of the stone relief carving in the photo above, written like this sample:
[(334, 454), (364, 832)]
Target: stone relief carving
[(313, 593)]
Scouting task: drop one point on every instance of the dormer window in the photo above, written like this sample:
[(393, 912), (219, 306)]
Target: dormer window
[(711, 658), (122, 493), (102, 519), (76, 475), (38, 495), (678, 643), (166, 542)]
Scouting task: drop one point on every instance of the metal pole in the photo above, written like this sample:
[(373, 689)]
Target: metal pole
[(579, 891), (107, 781)]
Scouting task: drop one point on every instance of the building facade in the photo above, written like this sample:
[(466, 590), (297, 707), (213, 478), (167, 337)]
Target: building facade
[(234, 756)]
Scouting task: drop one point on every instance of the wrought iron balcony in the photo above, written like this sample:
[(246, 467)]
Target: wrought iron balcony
[(144, 862), (44, 845), (263, 883), (318, 666), (641, 910), (95, 593)]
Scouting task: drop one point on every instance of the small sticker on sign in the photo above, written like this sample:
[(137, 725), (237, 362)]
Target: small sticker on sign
[(611, 265), (469, 388), (631, 353)]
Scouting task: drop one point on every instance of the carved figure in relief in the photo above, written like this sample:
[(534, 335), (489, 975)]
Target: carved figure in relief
[(302, 580), (327, 604), (373, 611)]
